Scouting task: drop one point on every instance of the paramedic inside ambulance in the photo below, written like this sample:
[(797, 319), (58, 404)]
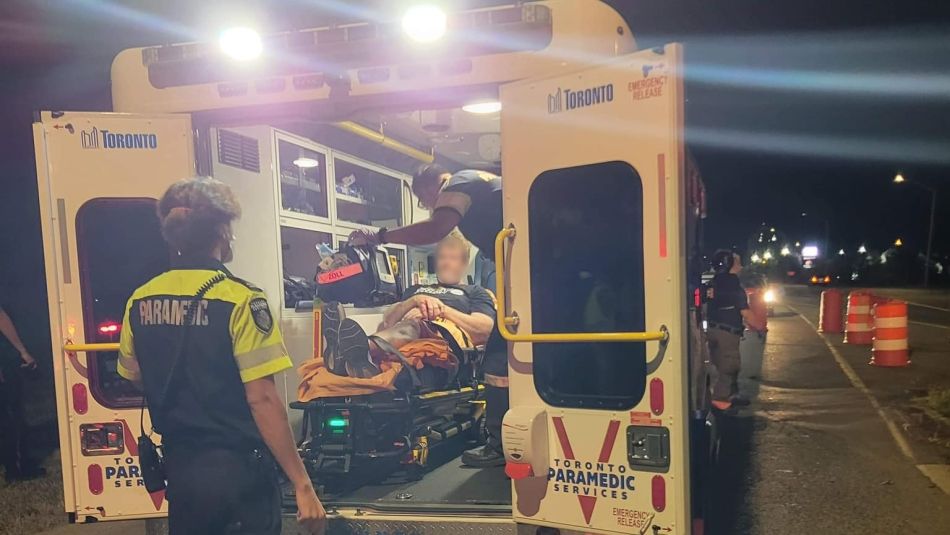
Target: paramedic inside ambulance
[(204, 347), (470, 200)]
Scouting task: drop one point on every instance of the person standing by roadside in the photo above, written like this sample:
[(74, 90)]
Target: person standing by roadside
[(14, 451), (728, 310)]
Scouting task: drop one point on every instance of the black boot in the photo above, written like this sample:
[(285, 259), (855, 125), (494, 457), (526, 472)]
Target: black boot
[(485, 456), (492, 453)]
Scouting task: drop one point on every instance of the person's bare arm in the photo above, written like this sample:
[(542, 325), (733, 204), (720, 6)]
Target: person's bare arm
[(271, 419), (397, 312), (477, 325), (427, 232), (11, 334)]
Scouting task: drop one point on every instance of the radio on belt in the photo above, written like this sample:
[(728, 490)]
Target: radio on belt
[(525, 438)]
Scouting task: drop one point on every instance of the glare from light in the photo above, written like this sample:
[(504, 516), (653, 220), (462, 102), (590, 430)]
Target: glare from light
[(769, 296), (862, 249), (306, 163), (841, 252), (899, 178), (810, 251), (242, 44), (785, 251), (898, 242), (755, 258), (798, 244), (424, 23), (767, 255), (483, 107)]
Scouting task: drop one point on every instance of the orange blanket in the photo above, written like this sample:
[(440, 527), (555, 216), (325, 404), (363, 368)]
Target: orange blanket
[(316, 381)]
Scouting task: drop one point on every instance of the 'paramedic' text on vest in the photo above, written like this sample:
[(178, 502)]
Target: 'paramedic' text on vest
[(165, 311)]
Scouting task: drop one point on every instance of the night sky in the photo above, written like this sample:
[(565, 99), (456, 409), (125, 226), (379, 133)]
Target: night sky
[(806, 106)]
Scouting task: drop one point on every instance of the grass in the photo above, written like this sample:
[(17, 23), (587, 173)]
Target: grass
[(939, 400), (33, 506)]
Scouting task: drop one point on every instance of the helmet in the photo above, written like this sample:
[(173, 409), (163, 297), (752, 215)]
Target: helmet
[(723, 260)]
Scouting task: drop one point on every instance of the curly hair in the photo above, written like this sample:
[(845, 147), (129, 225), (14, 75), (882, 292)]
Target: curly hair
[(193, 213)]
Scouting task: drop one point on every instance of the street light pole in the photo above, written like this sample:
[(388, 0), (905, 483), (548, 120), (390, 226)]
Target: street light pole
[(899, 179), (930, 236)]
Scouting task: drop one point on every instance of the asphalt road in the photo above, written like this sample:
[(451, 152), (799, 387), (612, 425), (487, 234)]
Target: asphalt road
[(812, 454)]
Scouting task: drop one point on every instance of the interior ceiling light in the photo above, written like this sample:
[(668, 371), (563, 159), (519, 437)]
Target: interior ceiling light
[(306, 163), (424, 23), (483, 107), (242, 44)]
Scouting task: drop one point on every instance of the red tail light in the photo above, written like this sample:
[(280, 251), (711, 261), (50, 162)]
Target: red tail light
[(109, 328), (697, 298), (659, 493)]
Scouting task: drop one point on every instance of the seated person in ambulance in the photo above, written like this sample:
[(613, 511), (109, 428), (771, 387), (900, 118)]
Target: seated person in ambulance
[(413, 332)]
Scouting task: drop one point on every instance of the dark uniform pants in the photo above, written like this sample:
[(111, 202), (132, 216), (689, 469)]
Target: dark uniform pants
[(219, 491), (724, 353), (496, 387), (13, 427)]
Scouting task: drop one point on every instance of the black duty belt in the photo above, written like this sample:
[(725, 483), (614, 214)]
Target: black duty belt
[(728, 328)]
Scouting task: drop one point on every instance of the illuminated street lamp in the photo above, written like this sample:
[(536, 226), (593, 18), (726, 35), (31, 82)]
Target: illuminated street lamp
[(785, 251), (755, 258), (899, 179), (898, 242), (767, 255), (862, 249), (841, 252)]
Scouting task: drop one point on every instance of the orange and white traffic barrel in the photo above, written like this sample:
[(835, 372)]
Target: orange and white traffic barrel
[(829, 318), (890, 335), (858, 328)]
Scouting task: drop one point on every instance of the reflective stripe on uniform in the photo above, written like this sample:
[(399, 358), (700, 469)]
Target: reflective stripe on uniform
[(128, 368), (268, 368), (496, 380), (261, 355)]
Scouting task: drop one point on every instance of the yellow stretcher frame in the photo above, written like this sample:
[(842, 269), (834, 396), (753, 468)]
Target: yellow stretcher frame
[(506, 320)]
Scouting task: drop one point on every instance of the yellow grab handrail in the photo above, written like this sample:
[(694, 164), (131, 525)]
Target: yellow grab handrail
[(84, 348), (504, 320)]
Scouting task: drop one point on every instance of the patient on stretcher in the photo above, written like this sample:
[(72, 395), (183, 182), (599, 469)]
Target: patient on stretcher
[(422, 332)]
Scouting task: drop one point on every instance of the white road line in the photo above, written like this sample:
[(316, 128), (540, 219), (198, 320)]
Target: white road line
[(931, 324), (857, 383), (927, 306)]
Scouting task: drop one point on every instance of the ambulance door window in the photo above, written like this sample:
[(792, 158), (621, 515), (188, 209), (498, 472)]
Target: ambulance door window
[(120, 247), (303, 180), (366, 196), (586, 246), (300, 260)]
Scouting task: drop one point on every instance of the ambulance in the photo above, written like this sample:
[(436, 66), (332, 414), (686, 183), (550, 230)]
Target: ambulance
[(318, 131)]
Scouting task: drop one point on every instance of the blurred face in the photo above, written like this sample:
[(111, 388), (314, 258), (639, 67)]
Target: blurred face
[(429, 193), (450, 263), (736, 264)]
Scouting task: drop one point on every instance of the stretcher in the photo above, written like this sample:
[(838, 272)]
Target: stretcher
[(350, 440)]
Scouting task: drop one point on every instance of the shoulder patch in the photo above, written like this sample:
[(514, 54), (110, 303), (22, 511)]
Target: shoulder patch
[(261, 314), (246, 284)]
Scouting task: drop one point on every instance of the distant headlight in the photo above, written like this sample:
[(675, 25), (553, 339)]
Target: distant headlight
[(769, 296)]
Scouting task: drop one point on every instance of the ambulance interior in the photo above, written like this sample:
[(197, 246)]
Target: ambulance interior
[(331, 182)]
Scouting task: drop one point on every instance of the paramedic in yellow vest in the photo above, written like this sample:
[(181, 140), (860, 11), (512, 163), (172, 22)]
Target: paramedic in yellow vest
[(470, 200), (223, 425)]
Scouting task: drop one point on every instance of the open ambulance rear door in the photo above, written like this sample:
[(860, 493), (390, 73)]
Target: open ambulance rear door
[(592, 294), (99, 176)]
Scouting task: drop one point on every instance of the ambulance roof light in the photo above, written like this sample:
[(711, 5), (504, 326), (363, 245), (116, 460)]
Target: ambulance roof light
[(424, 23), (241, 43), (483, 107)]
